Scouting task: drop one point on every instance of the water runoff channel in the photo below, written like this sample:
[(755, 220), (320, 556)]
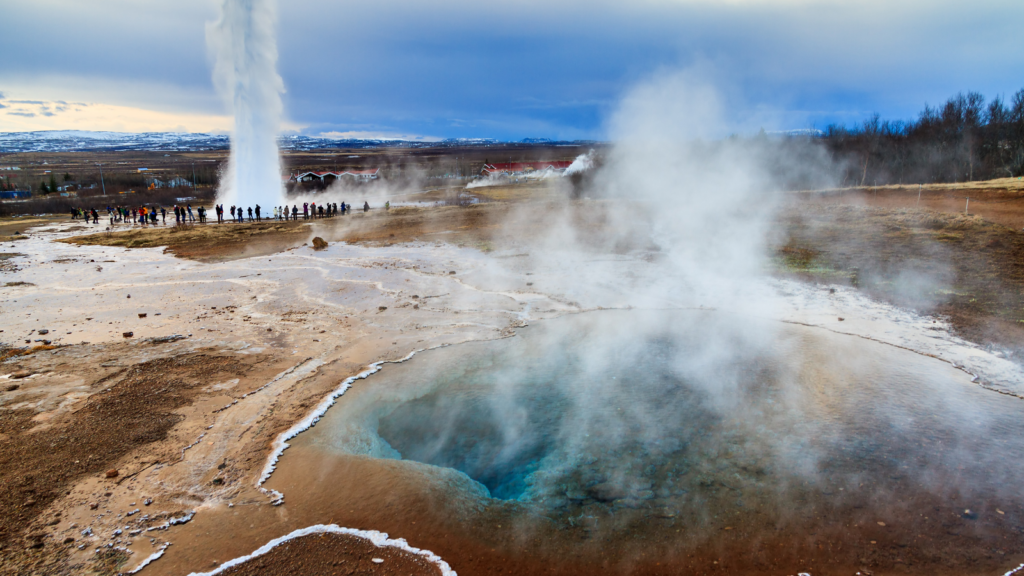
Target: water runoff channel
[(632, 439)]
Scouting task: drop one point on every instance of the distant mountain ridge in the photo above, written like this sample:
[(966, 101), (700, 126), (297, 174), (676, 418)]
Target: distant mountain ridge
[(83, 141)]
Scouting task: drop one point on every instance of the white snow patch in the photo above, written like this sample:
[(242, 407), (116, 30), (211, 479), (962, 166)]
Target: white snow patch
[(151, 558), (281, 442), (379, 539), (173, 522)]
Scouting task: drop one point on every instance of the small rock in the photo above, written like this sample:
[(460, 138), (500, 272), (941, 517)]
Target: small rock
[(378, 560), (382, 308), (451, 271), (43, 331), (94, 506), (607, 492), (576, 494), (842, 319), (129, 295), (21, 374), (112, 473), (142, 314), (319, 243), (69, 540), (12, 387), (127, 334), (29, 502), (165, 339)]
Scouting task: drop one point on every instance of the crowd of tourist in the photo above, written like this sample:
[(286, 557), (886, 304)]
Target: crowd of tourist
[(146, 215)]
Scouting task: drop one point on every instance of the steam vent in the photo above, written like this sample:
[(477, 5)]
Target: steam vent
[(714, 288)]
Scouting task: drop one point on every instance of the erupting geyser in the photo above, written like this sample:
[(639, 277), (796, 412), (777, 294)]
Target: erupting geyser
[(243, 45)]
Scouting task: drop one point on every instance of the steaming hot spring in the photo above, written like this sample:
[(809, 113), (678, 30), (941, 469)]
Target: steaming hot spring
[(650, 441)]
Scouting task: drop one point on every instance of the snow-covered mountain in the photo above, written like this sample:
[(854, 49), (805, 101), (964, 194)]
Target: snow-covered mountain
[(81, 140)]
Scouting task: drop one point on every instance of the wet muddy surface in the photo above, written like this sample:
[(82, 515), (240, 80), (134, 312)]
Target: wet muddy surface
[(815, 452), (888, 418)]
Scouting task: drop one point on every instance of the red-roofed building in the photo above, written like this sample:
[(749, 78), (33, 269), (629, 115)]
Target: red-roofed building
[(523, 167)]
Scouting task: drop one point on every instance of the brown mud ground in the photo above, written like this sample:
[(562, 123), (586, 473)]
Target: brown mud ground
[(112, 425), (331, 554), (969, 268), (13, 229), (206, 242), (932, 258)]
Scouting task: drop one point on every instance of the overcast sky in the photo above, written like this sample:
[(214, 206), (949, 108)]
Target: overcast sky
[(510, 70)]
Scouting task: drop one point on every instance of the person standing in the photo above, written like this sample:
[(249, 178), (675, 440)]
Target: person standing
[(258, 213), (295, 211), (163, 215), (366, 206), (250, 214), (191, 218)]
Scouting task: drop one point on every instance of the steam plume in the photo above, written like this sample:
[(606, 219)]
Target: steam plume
[(244, 49)]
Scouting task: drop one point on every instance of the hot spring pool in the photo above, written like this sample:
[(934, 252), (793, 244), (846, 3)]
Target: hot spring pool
[(680, 425)]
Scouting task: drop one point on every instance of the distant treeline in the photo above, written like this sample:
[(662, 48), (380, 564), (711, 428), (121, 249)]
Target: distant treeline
[(965, 139)]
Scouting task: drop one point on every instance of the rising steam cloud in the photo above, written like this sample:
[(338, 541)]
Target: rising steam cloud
[(244, 49)]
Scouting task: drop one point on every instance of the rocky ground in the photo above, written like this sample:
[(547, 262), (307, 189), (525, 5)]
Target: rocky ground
[(158, 382)]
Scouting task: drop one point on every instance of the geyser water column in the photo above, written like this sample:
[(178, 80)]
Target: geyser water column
[(244, 49)]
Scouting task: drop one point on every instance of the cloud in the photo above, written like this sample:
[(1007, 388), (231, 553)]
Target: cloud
[(99, 116), (32, 102), (549, 68)]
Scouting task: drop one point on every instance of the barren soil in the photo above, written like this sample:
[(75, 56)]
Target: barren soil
[(86, 409), (967, 267), (334, 554)]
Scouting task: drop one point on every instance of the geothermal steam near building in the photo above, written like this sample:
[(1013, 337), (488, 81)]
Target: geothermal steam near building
[(243, 45)]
